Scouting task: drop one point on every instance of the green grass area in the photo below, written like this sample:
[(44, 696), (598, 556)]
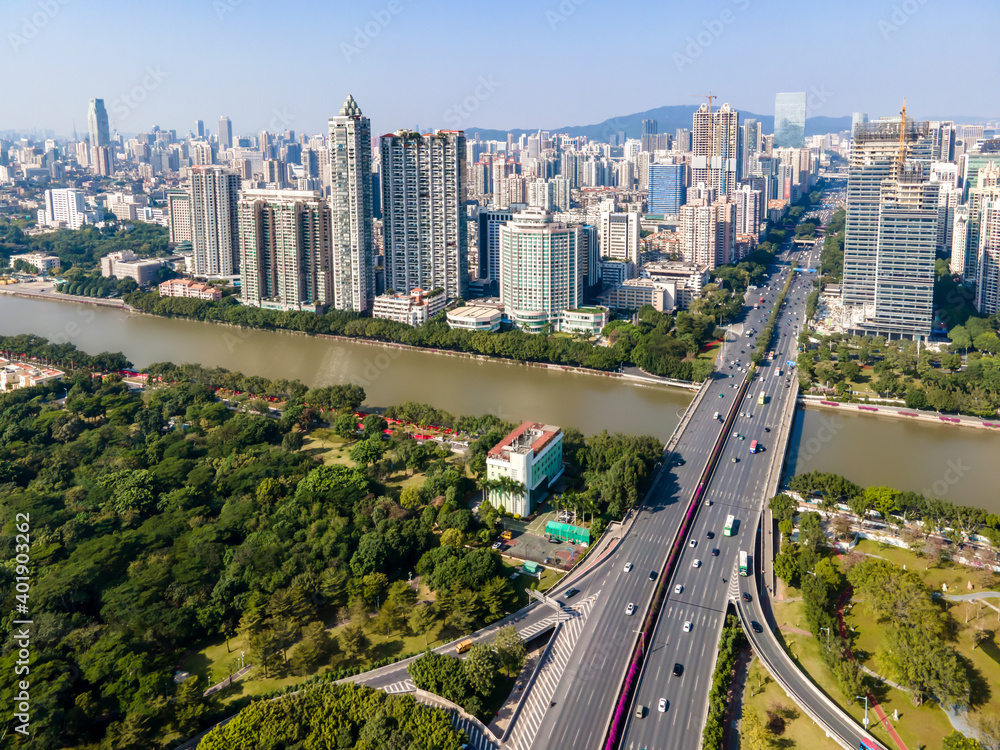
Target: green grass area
[(762, 694), (917, 725)]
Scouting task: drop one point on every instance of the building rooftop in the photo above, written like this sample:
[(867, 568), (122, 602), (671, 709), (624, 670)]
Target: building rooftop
[(474, 311), (532, 436)]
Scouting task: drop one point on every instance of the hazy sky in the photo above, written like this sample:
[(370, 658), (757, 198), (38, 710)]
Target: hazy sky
[(444, 63)]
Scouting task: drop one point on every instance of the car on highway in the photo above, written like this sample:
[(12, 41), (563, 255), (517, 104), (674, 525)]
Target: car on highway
[(696, 563), (715, 553), (735, 460), (640, 711), (687, 626), (767, 429), (710, 535), (678, 588), (722, 395), (570, 593), (652, 575), (693, 543), (662, 705), (630, 609), (708, 503), (747, 597), (678, 670), (756, 626), (628, 567)]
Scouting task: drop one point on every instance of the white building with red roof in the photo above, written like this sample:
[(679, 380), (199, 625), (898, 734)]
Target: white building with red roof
[(531, 455)]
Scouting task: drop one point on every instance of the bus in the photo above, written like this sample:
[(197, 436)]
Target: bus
[(867, 744), (743, 563), (727, 530), (762, 398), (753, 446)]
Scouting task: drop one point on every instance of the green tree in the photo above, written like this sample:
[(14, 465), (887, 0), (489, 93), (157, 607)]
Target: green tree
[(346, 426), (368, 451), (355, 641), (510, 650)]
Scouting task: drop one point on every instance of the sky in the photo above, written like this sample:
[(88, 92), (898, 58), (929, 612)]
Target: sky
[(512, 64)]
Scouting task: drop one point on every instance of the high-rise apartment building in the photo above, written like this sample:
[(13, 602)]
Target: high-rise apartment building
[(988, 277), (715, 148), (942, 136), (750, 145), (179, 216), (490, 221), (214, 226), (790, 120), (667, 192), (352, 248), (63, 207), (541, 268), (225, 134), (682, 140), (985, 193), (284, 244), (748, 210), (423, 206), (875, 157), (708, 228)]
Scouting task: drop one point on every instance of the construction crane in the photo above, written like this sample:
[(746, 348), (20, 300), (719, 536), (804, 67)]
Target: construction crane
[(710, 96), (902, 136)]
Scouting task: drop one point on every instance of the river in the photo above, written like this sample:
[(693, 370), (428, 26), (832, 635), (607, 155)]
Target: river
[(951, 463)]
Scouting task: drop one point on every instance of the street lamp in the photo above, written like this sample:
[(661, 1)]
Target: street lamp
[(858, 697)]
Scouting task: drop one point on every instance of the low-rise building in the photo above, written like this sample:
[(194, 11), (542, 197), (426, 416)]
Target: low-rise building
[(124, 264), (689, 278), (615, 271), (14, 375), (635, 293), (44, 263), (523, 466), (414, 309), (475, 318), (588, 320), (189, 288)]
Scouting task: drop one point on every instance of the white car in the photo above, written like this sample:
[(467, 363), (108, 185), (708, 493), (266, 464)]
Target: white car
[(662, 705), (696, 563), (630, 609), (678, 588), (687, 626), (693, 543), (628, 567)]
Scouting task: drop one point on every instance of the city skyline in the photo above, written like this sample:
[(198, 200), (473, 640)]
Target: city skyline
[(695, 47)]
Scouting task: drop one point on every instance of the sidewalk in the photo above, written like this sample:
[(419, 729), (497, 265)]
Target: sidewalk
[(734, 700), (844, 596)]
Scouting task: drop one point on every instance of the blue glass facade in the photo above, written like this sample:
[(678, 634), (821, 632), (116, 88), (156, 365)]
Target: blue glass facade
[(667, 192)]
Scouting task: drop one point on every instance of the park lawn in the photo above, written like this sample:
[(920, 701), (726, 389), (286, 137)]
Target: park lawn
[(711, 351), (800, 731), (956, 576)]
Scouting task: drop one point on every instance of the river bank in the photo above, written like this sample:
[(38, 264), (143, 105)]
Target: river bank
[(901, 412), (40, 290)]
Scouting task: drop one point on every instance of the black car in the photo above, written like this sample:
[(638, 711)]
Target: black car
[(652, 575), (715, 553), (747, 597), (710, 535), (756, 627), (767, 429), (570, 593), (679, 668)]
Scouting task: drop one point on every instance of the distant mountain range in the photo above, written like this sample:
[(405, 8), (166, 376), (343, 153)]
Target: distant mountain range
[(669, 119)]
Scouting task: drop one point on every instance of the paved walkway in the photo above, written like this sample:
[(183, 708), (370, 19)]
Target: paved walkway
[(845, 595), (734, 700)]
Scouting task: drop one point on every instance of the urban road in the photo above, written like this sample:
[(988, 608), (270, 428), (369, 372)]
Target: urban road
[(572, 702)]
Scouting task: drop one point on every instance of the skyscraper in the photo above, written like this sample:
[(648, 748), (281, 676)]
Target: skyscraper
[(619, 235), (423, 206), (284, 245), (906, 243), (650, 129), (714, 148), (988, 279), (667, 192), (790, 120), (985, 193), (214, 226), (942, 135), (225, 133), (875, 157), (199, 128), (541, 268), (352, 248), (97, 124), (750, 142)]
